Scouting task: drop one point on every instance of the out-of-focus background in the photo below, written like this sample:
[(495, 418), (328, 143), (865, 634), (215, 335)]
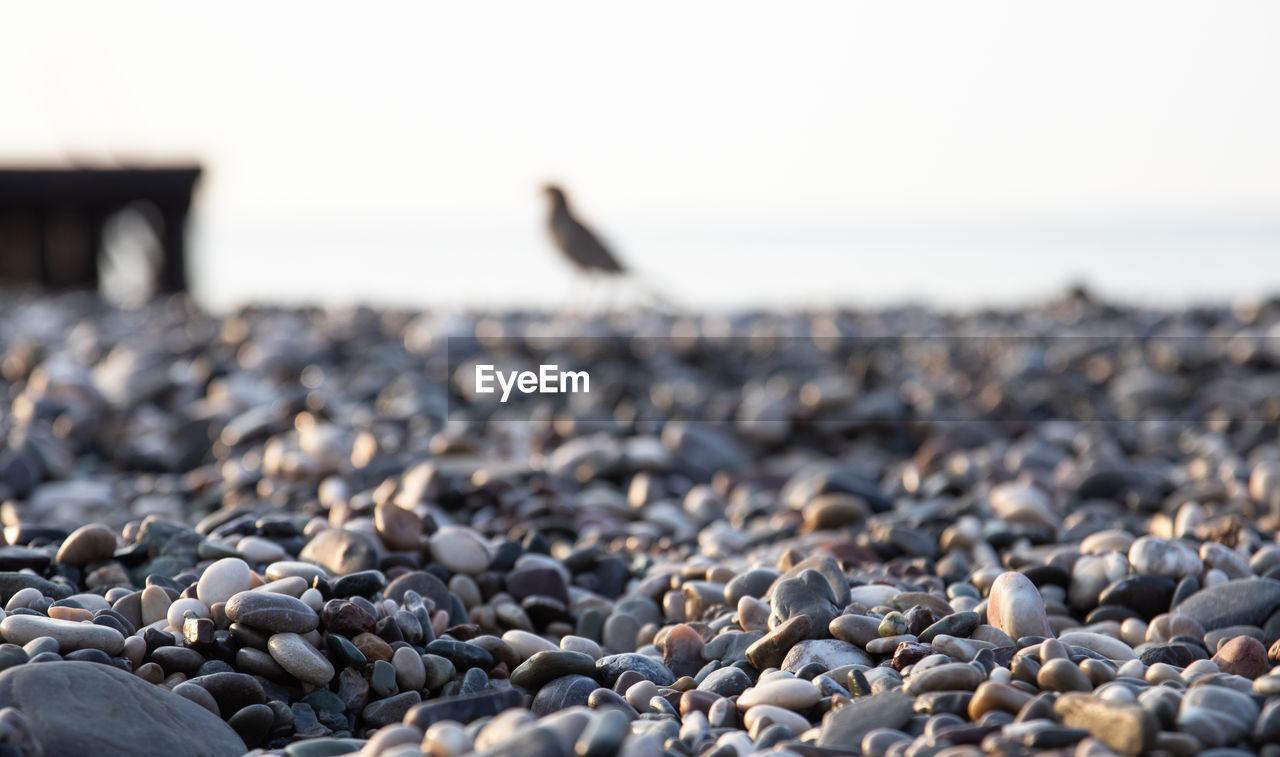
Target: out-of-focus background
[(738, 153)]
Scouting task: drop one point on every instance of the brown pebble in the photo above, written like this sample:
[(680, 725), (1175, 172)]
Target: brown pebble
[(1242, 656), (372, 647), (996, 696), (769, 650), (909, 653), (399, 529), (697, 700), (70, 613)]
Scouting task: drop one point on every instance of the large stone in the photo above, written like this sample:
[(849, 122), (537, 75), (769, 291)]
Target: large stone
[(86, 708), (1016, 607), (845, 727), (1126, 728), (340, 552), (275, 613), (1246, 602)]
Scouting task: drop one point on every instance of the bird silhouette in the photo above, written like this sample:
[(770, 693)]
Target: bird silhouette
[(574, 240)]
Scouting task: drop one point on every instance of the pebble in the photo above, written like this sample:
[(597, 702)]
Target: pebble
[(788, 693), (224, 579), (300, 659), (87, 544), (272, 613), (78, 708), (1015, 607), (460, 550)]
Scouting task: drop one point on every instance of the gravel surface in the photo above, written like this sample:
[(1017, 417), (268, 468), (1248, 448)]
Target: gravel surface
[(893, 533)]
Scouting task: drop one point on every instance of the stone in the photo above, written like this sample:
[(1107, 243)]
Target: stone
[(845, 728), (411, 674), (1148, 595), (223, 579), (1216, 715), (855, 629), (90, 543), (1112, 649), (1247, 601), (829, 653), (300, 659), (788, 693), (70, 635), (1164, 557), (273, 613), (772, 648), (389, 710), (460, 549), (726, 682), (1126, 728), (959, 624), (463, 709), (610, 667), (542, 667), (1015, 607), (98, 700), (562, 693), (340, 551), (399, 528), (809, 595), (1242, 656)]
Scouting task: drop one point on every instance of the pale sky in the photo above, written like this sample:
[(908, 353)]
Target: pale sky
[(699, 136)]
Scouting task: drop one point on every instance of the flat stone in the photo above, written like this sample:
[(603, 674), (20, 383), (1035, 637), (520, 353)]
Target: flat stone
[(830, 653), (340, 551), (70, 635), (86, 708), (1216, 715), (855, 629), (300, 659), (845, 728), (959, 624), (1126, 728), (727, 682), (562, 693), (1111, 648), (270, 612), (461, 654), (1164, 557), (463, 709), (1243, 602), (87, 544), (546, 666), (460, 549), (1148, 595), (11, 583), (609, 668), (390, 710), (788, 693)]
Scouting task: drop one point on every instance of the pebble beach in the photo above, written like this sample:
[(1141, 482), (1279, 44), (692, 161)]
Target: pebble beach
[(893, 533)]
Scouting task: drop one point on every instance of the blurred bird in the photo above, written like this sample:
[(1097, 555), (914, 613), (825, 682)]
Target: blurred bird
[(585, 250), (575, 241)]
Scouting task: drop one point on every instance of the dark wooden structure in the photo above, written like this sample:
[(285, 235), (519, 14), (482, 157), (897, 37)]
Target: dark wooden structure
[(52, 220)]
